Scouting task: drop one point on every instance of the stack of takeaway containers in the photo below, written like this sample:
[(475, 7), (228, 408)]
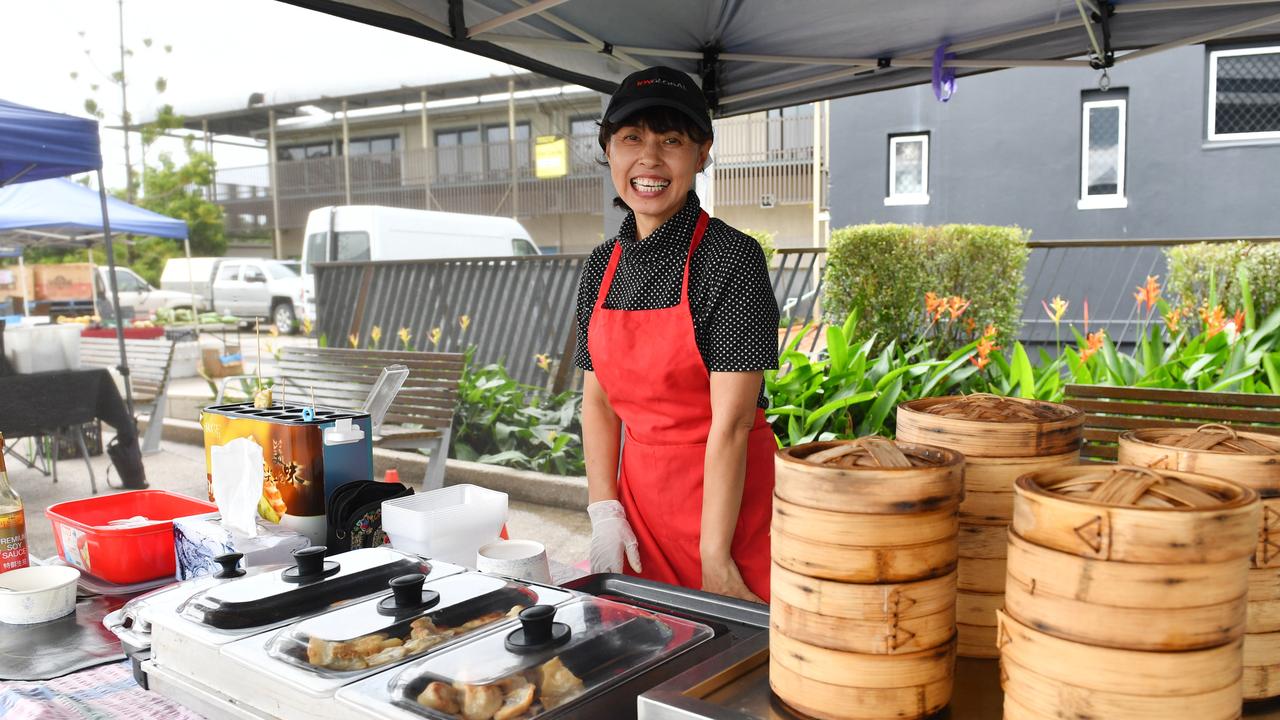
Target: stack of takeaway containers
[(1126, 595), (1001, 438), (1253, 460), (864, 578)]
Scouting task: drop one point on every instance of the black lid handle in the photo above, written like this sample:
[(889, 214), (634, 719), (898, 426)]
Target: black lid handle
[(407, 589), (536, 621), (230, 563), (310, 560)]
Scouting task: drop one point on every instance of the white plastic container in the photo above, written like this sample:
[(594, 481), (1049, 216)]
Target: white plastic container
[(448, 524), (69, 341), (37, 348), (37, 594)]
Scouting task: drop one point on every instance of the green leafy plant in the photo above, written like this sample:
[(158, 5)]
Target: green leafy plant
[(504, 422), (1213, 273)]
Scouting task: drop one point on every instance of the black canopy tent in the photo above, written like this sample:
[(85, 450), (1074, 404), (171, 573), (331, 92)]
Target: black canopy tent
[(38, 144), (752, 55)]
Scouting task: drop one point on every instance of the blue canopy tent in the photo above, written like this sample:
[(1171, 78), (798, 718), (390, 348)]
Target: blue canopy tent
[(38, 144)]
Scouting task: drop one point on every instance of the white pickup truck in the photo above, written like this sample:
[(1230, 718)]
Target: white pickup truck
[(243, 287)]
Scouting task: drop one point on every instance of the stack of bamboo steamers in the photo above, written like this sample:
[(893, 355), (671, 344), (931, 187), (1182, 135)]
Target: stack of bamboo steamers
[(864, 553), (1001, 439), (1252, 460)]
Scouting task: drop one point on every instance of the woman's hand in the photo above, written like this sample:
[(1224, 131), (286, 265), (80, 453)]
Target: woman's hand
[(721, 576), (611, 538)]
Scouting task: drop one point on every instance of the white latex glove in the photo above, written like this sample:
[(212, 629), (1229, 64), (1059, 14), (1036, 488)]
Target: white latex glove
[(611, 535)]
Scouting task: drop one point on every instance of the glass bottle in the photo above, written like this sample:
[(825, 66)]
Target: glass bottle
[(13, 527)]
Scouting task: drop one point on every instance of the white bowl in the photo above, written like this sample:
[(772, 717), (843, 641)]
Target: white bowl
[(37, 594), (520, 559)]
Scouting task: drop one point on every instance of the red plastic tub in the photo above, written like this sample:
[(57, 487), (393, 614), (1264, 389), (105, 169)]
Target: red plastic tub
[(122, 554)]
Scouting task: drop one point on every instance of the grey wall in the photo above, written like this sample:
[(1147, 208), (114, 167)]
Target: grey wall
[(1006, 150)]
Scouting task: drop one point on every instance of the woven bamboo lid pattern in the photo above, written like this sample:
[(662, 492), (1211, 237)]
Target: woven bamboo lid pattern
[(984, 425), (983, 407), (1213, 438), (869, 475), (868, 452)]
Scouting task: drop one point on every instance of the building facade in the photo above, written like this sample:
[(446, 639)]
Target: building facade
[(450, 148)]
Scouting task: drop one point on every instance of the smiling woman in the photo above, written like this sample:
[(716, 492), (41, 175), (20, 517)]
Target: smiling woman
[(676, 324)]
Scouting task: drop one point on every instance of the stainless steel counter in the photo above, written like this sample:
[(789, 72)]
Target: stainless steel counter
[(735, 686)]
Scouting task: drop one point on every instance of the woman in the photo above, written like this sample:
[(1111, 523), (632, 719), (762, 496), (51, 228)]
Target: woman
[(676, 324)]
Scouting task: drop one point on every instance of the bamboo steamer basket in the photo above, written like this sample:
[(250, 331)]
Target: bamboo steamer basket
[(1261, 665), (870, 603), (864, 564), (1131, 606), (870, 475), (1134, 514), (1176, 677), (839, 702), (979, 575), (988, 485), (864, 530), (890, 636), (982, 425), (976, 641), (1247, 458), (1028, 694), (983, 542), (1264, 600)]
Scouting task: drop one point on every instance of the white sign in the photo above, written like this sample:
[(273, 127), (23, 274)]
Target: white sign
[(768, 200)]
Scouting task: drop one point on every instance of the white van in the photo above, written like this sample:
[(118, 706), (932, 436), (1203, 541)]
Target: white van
[(372, 232)]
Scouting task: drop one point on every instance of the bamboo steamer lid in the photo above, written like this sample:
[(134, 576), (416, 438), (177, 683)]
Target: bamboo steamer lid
[(1261, 666), (847, 563), (863, 602), (988, 485), (980, 575), (1033, 695), (1112, 670), (836, 667), (864, 530), (871, 475), (1249, 458), (1264, 601), (982, 425), (1125, 605), (888, 636), (976, 641), (838, 702), (1135, 514)]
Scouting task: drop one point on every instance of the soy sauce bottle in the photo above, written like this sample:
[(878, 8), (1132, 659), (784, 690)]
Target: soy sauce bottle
[(13, 526)]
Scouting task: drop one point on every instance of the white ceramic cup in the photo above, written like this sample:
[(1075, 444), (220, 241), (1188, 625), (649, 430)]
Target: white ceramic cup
[(523, 559), (37, 594)]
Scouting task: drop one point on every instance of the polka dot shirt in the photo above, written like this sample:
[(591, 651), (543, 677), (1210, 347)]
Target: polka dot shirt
[(735, 315)]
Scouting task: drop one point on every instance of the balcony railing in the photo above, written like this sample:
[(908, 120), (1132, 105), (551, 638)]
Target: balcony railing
[(754, 158)]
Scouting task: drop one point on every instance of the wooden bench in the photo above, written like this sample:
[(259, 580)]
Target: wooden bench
[(420, 416), (1110, 411), (149, 364)]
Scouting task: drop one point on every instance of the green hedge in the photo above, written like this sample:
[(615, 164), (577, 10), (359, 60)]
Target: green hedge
[(884, 271), (1192, 266)]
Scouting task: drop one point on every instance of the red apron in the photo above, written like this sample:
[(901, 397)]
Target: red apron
[(650, 367)]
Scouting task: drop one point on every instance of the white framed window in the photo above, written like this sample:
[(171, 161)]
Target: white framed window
[(908, 170), (1244, 94), (1102, 154)]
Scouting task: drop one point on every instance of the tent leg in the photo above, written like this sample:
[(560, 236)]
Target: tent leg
[(115, 298)]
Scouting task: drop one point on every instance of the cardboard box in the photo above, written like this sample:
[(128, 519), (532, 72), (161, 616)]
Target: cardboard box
[(65, 281), (220, 361)]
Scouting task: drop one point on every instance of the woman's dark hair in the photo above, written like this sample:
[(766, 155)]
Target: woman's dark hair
[(658, 119)]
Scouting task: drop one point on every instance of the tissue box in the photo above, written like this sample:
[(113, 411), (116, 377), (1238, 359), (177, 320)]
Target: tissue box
[(200, 538)]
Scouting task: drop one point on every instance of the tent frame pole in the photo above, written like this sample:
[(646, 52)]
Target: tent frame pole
[(115, 303), (513, 16)]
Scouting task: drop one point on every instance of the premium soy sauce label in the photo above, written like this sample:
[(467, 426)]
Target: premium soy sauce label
[(13, 541)]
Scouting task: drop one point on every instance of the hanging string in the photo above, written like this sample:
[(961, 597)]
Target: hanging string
[(944, 77)]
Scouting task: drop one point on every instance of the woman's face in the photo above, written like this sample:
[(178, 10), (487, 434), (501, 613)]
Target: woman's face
[(653, 172)]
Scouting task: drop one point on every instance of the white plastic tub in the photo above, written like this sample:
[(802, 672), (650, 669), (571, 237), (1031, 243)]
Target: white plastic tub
[(40, 348), (448, 524), (37, 594)]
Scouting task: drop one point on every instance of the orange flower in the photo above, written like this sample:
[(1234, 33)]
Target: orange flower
[(942, 308), (1148, 294), (544, 361), (981, 361), (1214, 320), (990, 331), (931, 302), (957, 307), (971, 325), (1173, 320), (1056, 309), (985, 346), (1086, 316), (1093, 343), (1238, 321)]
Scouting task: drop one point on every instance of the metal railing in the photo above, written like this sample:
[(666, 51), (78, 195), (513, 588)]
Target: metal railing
[(754, 157)]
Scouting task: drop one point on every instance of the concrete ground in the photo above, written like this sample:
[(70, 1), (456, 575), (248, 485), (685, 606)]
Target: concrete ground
[(180, 468)]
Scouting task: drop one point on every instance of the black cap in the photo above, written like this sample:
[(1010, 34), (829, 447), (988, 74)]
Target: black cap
[(659, 86)]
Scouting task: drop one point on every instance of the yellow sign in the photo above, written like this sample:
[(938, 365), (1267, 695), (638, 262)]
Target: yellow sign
[(551, 157)]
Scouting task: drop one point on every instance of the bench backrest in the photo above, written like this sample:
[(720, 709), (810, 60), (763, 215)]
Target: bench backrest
[(149, 362), (1110, 411), (342, 378)]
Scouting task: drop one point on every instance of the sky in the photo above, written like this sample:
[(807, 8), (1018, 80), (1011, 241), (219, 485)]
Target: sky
[(222, 52)]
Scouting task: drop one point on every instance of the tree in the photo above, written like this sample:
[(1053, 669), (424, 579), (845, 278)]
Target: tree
[(177, 191)]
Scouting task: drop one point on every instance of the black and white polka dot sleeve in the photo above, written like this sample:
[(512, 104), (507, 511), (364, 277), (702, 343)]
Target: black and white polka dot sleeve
[(588, 287), (736, 319)]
